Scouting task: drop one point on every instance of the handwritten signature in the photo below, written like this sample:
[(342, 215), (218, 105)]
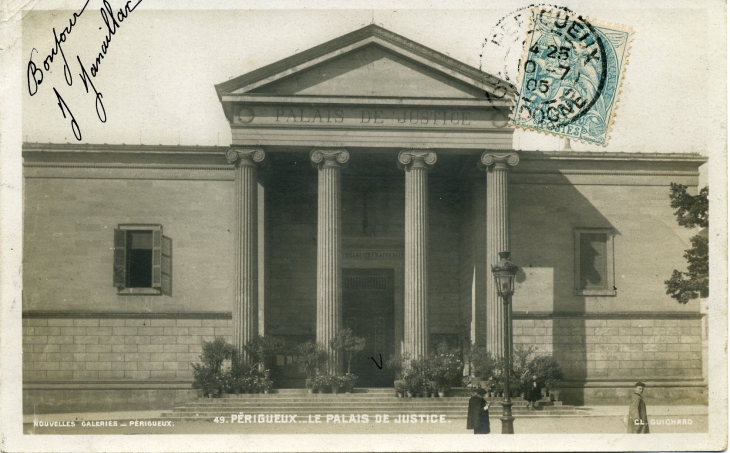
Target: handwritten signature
[(35, 74)]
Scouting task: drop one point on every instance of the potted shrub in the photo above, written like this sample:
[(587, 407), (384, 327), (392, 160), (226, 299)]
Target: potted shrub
[(207, 376), (548, 372), (320, 382), (484, 366), (445, 368), (311, 358), (346, 340), (400, 389), (399, 363), (266, 385), (261, 348), (336, 382), (412, 383), (422, 371), (349, 382)]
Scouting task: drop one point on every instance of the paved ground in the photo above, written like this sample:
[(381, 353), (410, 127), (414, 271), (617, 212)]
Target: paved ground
[(603, 419)]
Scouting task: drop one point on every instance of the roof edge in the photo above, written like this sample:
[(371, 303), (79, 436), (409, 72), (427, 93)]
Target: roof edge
[(347, 39)]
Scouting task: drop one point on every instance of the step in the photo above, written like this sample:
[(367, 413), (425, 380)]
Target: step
[(454, 418), (350, 407), (355, 397), (304, 412)]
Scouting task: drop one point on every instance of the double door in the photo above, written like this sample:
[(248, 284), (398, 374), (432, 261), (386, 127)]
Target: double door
[(368, 309)]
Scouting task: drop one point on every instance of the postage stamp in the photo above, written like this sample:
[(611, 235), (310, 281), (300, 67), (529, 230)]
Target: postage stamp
[(570, 76)]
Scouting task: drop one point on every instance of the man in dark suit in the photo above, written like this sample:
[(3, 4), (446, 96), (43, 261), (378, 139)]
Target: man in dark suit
[(638, 422), (478, 415)]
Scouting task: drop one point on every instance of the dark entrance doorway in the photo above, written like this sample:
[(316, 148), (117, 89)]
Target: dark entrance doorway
[(368, 309)]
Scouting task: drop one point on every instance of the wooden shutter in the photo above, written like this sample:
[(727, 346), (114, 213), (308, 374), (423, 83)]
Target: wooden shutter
[(120, 258), (166, 266), (156, 258), (593, 261)]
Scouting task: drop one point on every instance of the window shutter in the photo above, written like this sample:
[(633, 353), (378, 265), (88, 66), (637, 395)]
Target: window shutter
[(156, 258), (120, 258), (166, 266)]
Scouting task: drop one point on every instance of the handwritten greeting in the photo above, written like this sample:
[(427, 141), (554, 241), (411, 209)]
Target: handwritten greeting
[(35, 73)]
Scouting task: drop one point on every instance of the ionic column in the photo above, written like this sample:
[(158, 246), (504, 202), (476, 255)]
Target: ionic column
[(245, 308), (329, 162), (497, 166), (416, 164)]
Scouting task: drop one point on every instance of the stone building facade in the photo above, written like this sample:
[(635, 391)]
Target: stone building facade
[(370, 183)]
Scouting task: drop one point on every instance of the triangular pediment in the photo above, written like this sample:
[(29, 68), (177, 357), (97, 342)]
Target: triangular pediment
[(370, 62), (371, 71)]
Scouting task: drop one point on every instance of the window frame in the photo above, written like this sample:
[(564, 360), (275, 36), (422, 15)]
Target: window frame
[(610, 288), (151, 291)]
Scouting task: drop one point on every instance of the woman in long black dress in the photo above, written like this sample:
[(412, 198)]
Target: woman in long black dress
[(478, 415), (533, 393)]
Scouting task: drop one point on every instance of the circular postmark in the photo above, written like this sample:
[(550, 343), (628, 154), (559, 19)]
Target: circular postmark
[(563, 70), (503, 47)]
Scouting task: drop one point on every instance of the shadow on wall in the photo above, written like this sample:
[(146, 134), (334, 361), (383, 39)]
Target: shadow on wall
[(543, 222)]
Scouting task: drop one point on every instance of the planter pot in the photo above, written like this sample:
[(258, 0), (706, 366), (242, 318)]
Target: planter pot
[(433, 394), (310, 391), (335, 390), (409, 393), (555, 395), (266, 392), (442, 393), (399, 394), (308, 383)]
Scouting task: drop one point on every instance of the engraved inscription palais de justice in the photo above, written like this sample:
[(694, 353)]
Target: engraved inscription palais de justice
[(372, 116)]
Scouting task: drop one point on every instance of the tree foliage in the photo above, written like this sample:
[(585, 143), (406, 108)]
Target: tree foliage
[(691, 211), (346, 340)]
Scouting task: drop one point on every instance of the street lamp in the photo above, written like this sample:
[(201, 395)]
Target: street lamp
[(504, 276)]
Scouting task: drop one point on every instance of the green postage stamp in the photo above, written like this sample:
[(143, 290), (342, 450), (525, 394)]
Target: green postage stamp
[(570, 75)]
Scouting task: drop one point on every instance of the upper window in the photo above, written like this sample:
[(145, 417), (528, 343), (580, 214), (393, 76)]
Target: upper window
[(142, 260), (594, 272)]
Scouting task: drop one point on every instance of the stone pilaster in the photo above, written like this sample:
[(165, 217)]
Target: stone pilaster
[(497, 165), (329, 163), (416, 164), (245, 308)]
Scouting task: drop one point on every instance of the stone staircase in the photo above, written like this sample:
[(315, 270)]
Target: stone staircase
[(361, 401)]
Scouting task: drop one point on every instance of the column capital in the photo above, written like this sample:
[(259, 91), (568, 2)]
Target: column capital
[(329, 157), (241, 155), (418, 158), (500, 160)]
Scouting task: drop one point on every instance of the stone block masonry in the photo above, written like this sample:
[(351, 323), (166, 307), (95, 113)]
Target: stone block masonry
[(63, 349), (610, 348)]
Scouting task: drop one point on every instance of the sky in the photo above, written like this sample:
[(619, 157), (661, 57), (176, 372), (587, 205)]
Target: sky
[(157, 78)]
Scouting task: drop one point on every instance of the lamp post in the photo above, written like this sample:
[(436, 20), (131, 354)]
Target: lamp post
[(504, 276)]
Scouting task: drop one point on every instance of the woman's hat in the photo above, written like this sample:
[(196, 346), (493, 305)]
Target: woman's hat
[(481, 391)]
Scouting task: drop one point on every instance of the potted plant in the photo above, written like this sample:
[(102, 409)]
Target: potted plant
[(445, 368), (336, 382), (349, 382), (483, 367), (261, 348), (412, 383), (207, 376), (347, 341), (320, 382), (548, 372), (399, 363), (311, 358), (400, 389)]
